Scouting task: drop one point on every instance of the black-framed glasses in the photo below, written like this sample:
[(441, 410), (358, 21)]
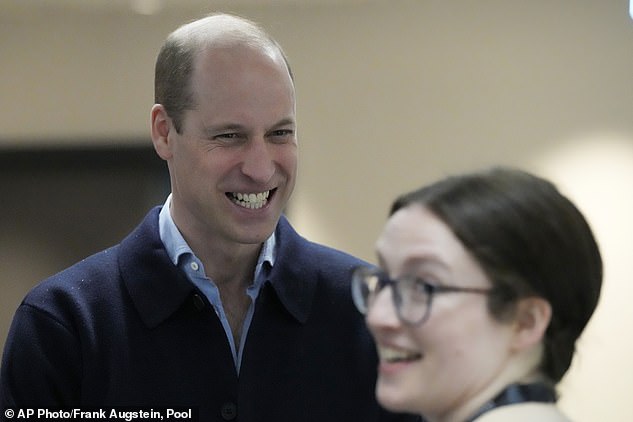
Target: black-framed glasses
[(412, 296)]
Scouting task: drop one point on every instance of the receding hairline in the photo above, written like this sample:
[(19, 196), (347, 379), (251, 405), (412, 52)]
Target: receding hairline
[(224, 30), (182, 49)]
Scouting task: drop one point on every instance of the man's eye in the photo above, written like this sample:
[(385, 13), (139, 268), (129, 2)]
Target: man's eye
[(231, 138), (281, 135)]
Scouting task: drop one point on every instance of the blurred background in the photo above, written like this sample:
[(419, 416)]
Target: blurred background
[(392, 94)]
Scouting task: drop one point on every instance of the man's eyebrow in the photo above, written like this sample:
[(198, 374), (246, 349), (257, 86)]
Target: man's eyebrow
[(223, 127), (215, 129), (285, 122)]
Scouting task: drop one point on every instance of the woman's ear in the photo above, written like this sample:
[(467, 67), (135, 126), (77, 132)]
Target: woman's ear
[(533, 315), (160, 127)]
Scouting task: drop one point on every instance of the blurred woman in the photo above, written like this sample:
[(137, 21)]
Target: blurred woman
[(485, 282)]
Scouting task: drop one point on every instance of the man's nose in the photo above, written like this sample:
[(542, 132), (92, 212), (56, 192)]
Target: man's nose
[(259, 161)]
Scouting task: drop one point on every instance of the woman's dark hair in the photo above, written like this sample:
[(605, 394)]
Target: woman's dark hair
[(531, 241)]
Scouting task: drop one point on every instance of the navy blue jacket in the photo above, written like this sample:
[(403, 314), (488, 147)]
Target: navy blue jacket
[(125, 327)]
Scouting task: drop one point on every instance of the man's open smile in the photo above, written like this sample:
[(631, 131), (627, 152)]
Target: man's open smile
[(253, 200)]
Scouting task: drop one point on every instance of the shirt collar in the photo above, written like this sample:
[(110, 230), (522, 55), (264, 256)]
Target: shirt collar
[(176, 246)]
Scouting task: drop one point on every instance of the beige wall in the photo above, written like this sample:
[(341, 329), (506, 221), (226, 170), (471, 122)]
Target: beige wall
[(391, 95)]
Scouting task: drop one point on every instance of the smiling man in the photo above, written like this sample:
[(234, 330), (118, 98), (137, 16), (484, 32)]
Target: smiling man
[(232, 158), (213, 303)]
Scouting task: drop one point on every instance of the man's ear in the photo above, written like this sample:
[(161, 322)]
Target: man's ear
[(160, 127), (533, 315)]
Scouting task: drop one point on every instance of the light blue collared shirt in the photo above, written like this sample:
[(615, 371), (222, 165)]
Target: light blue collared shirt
[(183, 257)]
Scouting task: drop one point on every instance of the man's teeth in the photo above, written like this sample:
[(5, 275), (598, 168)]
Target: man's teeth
[(397, 355), (250, 200)]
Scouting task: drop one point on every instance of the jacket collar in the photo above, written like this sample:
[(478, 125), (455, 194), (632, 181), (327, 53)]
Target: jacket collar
[(158, 288), (155, 284), (295, 275)]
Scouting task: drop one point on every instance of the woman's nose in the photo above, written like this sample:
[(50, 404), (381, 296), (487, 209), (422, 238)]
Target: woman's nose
[(381, 311)]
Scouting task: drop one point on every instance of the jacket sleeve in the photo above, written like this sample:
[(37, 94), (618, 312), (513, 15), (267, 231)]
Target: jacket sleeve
[(41, 365)]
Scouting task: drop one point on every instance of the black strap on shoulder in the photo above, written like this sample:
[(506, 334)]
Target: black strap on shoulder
[(519, 393)]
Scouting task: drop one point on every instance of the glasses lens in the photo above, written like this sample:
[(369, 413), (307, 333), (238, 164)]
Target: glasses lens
[(365, 282), (412, 300), (411, 297)]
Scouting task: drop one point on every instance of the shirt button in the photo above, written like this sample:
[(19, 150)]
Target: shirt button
[(194, 266), (228, 411)]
